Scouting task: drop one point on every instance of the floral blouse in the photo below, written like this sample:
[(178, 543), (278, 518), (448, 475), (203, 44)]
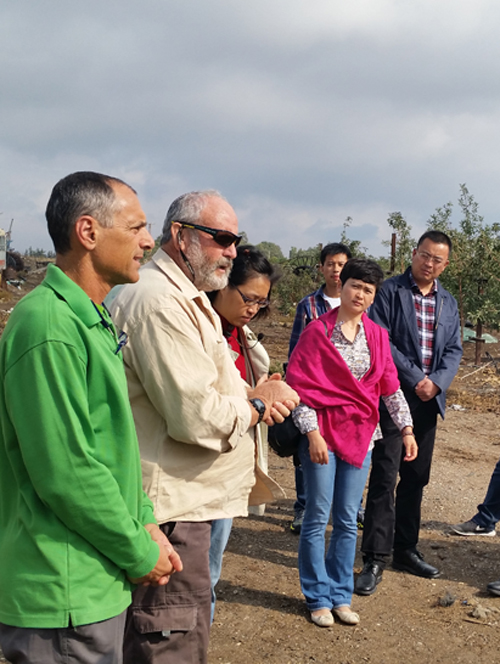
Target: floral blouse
[(356, 355)]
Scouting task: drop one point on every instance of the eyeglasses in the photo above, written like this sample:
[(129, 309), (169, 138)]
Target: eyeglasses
[(436, 260), (223, 238), (262, 304)]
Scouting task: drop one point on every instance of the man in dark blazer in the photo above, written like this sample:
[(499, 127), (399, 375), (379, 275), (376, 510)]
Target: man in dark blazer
[(424, 328)]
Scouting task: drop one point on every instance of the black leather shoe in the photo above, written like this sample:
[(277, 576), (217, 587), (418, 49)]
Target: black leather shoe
[(412, 561), (494, 588), (370, 577)]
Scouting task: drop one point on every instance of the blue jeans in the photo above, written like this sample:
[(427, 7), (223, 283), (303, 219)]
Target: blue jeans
[(489, 511), (300, 503), (219, 536), (336, 487)]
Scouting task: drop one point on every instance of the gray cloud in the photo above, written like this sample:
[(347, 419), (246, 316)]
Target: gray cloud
[(300, 113)]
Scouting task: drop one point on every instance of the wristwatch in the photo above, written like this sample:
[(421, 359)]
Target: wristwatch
[(260, 407)]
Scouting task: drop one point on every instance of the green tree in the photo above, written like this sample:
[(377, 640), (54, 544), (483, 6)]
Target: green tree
[(293, 286), (244, 238), (310, 256), (271, 250), (474, 262), (299, 277), (354, 245), (404, 241), (39, 253)]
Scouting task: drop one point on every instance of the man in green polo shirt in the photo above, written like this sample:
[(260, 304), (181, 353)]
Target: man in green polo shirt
[(75, 526)]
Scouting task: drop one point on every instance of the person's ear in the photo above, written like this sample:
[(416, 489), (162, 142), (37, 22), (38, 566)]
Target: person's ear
[(85, 231), (178, 239)]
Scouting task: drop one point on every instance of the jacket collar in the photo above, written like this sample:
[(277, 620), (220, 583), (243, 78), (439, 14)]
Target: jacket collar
[(405, 280), (174, 273)]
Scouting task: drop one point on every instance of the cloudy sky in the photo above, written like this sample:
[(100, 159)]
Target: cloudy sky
[(300, 112)]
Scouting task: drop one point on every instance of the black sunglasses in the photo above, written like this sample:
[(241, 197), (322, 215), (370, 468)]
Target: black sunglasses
[(223, 238)]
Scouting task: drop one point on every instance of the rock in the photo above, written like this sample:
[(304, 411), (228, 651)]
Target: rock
[(447, 599), (480, 612)]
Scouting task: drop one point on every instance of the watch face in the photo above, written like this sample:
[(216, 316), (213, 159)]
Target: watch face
[(259, 406)]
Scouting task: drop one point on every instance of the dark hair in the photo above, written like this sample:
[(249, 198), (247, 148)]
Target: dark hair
[(333, 249), (249, 263), (78, 194), (363, 269), (436, 236)]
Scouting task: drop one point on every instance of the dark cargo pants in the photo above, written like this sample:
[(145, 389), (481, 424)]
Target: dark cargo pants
[(171, 624)]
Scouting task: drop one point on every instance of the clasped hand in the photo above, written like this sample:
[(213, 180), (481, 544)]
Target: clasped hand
[(280, 399), (168, 562)]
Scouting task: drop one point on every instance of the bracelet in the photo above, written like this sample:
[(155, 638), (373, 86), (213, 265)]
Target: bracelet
[(408, 434)]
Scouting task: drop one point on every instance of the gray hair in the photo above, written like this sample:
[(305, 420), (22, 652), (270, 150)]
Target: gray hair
[(76, 195), (188, 208)]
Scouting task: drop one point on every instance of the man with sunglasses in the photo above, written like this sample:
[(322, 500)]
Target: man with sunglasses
[(192, 413), (424, 330), (75, 524)]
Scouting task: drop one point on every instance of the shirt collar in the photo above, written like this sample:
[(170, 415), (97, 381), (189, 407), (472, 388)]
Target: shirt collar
[(339, 323), (415, 286), (76, 298), (163, 261), (174, 273)]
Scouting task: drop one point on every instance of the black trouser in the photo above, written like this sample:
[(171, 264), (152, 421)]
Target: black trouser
[(395, 524)]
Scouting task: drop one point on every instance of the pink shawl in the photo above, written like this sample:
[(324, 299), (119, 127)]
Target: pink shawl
[(347, 409)]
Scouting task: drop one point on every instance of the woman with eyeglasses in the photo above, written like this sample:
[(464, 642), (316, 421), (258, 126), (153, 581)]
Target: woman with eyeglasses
[(245, 298), (341, 366)]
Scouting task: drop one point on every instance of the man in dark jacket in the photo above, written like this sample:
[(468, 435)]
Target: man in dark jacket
[(424, 328)]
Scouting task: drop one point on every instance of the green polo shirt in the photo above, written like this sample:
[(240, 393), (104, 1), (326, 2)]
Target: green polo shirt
[(71, 501)]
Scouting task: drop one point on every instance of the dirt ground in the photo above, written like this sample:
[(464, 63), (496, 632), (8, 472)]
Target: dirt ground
[(260, 614)]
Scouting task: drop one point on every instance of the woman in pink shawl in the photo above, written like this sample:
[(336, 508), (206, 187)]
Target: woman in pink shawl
[(341, 366)]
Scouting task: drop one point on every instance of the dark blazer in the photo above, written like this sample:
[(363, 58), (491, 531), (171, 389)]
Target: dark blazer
[(394, 310)]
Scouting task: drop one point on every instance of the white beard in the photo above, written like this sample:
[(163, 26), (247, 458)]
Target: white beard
[(205, 278)]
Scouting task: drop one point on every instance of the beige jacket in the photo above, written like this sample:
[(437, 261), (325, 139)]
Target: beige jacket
[(188, 398)]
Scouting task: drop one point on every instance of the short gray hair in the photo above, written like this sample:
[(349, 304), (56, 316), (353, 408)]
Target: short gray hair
[(78, 194), (188, 208)]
